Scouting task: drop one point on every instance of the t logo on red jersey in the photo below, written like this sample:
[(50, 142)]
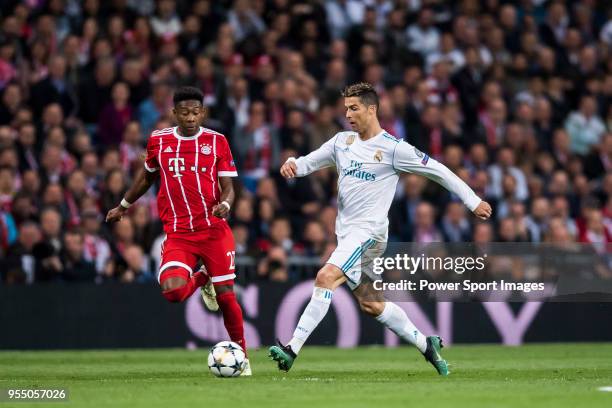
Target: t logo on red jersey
[(176, 164)]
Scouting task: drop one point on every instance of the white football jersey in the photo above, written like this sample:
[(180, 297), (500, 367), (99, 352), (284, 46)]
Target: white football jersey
[(368, 172)]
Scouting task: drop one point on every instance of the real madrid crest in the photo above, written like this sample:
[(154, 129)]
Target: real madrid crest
[(350, 140), (205, 149), (378, 156)]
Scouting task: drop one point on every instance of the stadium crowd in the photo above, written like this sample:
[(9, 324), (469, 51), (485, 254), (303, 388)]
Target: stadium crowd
[(513, 96)]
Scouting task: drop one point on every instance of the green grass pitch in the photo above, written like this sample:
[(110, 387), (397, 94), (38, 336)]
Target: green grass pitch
[(543, 375)]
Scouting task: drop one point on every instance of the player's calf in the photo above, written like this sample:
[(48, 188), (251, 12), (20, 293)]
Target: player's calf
[(373, 308), (232, 313), (370, 300)]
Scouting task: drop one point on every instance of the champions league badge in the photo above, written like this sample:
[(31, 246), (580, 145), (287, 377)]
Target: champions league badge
[(424, 158)]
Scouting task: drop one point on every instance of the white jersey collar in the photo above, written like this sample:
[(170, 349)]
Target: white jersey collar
[(372, 138), (176, 134)]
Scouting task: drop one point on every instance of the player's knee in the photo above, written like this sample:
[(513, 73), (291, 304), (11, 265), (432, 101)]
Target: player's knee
[(372, 308), (325, 278), (173, 283), (174, 288)]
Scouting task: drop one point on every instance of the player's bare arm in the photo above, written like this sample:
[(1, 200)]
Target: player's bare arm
[(144, 180), (222, 209)]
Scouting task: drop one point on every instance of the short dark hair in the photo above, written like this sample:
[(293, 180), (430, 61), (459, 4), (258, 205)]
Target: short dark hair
[(364, 91), (188, 93)]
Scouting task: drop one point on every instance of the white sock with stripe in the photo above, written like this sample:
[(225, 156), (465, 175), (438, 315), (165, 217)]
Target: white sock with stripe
[(311, 317), (396, 320)]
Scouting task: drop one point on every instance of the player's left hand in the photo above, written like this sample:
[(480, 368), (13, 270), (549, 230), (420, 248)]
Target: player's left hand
[(220, 211), (483, 211)]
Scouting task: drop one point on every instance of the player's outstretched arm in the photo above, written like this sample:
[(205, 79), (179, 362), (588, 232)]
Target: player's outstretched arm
[(324, 156), (226, 201), (407, 158), (144, 181)]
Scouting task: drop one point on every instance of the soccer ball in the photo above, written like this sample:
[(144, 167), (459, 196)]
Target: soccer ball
[(226, 359)]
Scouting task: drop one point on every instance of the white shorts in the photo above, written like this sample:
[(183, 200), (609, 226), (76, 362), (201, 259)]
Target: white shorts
[(354, 255)]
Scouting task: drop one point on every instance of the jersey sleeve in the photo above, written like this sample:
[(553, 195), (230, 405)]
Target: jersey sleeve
[(150, 162), (408, 158), (324, 156), (226, 166)]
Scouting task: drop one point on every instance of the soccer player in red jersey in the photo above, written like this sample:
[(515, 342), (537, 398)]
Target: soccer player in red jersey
[(196, 167)]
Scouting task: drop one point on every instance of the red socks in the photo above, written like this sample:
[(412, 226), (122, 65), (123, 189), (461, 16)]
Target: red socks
[(232, 317), (183, 292), (232, 313)]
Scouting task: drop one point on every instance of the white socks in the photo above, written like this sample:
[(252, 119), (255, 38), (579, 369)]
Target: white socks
[(396, 320), (393, 317), (311, 317)]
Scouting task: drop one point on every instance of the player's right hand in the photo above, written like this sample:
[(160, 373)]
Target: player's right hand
[(115, 214), (289, 169)]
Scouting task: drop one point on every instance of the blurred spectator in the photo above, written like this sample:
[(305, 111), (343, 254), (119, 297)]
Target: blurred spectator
[(342, 15), (74, 266), (90, 107), (95, 248), (8, 231), (53, 89), (136, 265), (130, 148), (505, 164), (455, 225), (425, 230), (12, 99), (114, 189), (595, 231), (315, 238), (257, 145), (51, 227), (165, 21), (584, 126), (273, 267), (145, 229), (115, 116), (26, 148), (19, 266), (154, 107), (7, 188), (244, 20), (241, 238), (538, 219), (423, 36)]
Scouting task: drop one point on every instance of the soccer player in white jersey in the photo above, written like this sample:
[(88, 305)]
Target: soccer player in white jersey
[(369, 161)]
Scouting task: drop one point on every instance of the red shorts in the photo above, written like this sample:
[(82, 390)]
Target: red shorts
[(214, 246)]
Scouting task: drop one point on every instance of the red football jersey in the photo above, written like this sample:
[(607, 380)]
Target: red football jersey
[(189, 170)]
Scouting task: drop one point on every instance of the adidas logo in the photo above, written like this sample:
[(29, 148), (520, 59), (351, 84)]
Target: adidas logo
[(168, 150)]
